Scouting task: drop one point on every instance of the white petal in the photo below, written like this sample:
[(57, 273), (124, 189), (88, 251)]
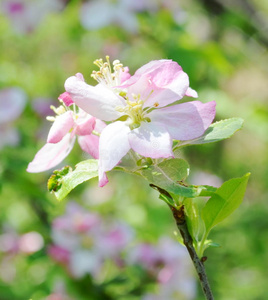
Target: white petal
[(99, 101), (51, 155), (113, 146), (151, 140)]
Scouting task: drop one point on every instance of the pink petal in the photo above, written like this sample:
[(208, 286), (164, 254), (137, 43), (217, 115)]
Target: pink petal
[(99, 101), (191, 93), (103, 179), (66, 98), (84, 124), (125, 75), (60, 127), (187, 120), (90, 144), (113, 146), (99, 126), (163, 81), (51, 155), (151, 140)]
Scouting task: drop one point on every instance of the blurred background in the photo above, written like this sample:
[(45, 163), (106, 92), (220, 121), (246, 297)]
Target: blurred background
[(117, 242)]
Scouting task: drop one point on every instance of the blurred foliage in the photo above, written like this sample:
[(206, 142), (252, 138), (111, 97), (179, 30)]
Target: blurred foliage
[(222, 45)]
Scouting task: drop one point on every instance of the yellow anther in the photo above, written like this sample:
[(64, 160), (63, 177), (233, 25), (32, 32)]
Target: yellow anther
[(156, 104), (50, 118), (116, 62)]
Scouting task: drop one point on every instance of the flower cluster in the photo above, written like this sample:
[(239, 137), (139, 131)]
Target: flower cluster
[(83, 242), (12, 247), (124, 12), (69, 122), (141, 110), (168, 264), (25, 15)]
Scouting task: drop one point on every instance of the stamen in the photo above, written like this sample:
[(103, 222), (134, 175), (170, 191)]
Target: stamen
[(106, 75), (50, 118)]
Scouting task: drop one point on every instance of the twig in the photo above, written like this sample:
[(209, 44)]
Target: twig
[(179, 217)]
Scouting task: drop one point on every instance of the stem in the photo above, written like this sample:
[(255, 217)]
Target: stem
[(179, 217)]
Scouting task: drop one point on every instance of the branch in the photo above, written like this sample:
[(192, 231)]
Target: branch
[(179, 217)]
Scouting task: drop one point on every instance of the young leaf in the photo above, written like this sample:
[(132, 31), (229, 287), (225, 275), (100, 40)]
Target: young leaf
[(64, 181), (195, 223), (216, 132), (169, 175), (224, 201)]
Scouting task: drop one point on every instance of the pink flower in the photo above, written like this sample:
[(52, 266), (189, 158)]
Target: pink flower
[(61, 137), (143, 121), (117, 12), (83, 241), (169, 264), (12, 103), (26, 15)]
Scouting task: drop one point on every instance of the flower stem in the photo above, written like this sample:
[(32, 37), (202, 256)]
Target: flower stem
[(179, 217)]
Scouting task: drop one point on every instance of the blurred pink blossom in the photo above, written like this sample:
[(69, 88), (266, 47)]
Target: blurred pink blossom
[(205, 178), (31, 242), (169, 263), (25, 15), (12, 103), (83, 241), (97, 14)]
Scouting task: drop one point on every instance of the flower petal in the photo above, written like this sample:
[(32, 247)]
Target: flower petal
[(51, 155), (191, 93), (113, 146), (90, 144), (66, 98), (151, 140), (60, 127), (161, 82), (99, 101), (187, 120), (99, 126), (85, 123)]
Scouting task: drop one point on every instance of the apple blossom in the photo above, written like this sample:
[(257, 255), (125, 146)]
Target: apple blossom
[(61, 137), (168, 263), (25, 15), (12, 103), (139, 107), (83, 241)]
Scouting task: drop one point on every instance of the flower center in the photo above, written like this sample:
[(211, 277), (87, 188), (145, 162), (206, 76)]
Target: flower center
[(134, 111), (107, 75)]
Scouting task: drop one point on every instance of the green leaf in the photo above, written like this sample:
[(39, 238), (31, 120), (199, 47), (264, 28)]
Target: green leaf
[(216, 132), (224, 201), (169, 175), (62, 182)]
